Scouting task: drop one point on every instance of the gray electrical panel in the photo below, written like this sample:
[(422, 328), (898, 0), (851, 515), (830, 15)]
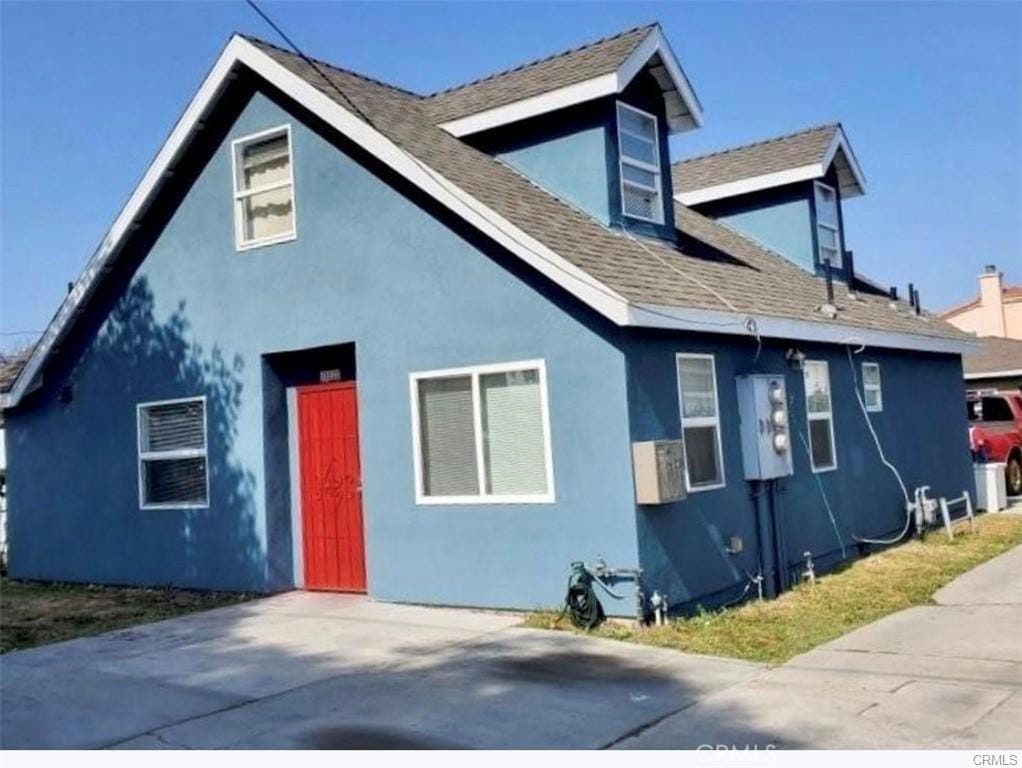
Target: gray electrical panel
[(765, 430), (659, 467)]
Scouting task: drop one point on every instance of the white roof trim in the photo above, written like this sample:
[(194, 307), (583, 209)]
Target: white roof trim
[(609, 84), (993, 374), (712, 321), (780, 178), (562, 272), (239, 51)]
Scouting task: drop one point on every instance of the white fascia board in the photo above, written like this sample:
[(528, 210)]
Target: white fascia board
[(609, 84), (840, 141), (652, 44), (240, 51), (569, 95), (211, 86), (993, 374), (752, 184), (713, 321), (779, 178)]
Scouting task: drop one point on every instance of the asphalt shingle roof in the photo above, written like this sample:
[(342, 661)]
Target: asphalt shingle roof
[(716, 268), (536, 77), (10, 367), (750, 160), (994, 354)]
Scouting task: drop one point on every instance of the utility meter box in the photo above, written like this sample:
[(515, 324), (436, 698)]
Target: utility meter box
[(659, 467), (765, 430)]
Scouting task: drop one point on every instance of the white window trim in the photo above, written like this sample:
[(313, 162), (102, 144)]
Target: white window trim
[(475, 372), (655, 169), (828, 415), (701, 421), (187, 453), (839, 261), (239, 196), (878, 388)]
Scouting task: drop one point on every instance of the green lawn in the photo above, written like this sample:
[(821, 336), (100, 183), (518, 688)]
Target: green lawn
[(33, 613), (866, 590)]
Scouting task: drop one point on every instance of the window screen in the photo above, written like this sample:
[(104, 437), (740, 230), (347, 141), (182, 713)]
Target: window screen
[(264, 189), (483, 435), (639, 164), (700, 421), (173, 467)]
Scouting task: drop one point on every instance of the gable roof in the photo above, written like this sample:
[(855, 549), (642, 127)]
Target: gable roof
[(600, 68), (718, 281), (995, 356), (805, 154)]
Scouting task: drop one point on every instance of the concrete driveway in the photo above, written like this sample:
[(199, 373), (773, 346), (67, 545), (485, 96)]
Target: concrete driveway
[(305, 670)]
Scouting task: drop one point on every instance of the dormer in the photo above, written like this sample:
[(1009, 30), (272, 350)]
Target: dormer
[(590, 126), (786, 193)]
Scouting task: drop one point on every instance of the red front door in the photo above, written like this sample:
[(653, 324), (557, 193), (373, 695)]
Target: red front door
[(331, 487)]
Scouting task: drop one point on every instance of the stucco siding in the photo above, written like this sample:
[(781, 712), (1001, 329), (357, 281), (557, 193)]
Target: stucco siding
[(922, 429), (413, 291)]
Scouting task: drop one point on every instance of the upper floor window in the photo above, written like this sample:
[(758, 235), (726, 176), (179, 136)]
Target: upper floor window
[(264, 205), (828, 230), (639, 154), (172, 468), (482, 435)]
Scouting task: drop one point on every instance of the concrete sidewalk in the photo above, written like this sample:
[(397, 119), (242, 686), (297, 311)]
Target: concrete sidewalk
[(946, 676)]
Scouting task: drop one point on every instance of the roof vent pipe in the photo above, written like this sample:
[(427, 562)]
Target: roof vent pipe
[(828, 273), (916, 304), (893, 292), (911, 296)]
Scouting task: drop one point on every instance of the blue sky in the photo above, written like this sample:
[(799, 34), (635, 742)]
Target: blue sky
[(929, 93)]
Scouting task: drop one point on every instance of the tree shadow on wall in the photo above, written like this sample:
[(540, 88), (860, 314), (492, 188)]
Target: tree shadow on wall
[(136, 358)]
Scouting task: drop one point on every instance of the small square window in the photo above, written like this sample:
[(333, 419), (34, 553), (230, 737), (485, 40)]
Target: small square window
[(264, 208)]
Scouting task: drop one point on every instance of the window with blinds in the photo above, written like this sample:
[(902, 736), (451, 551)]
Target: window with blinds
[(264, 189), (700, 422), (639, 163), (483, 435), (172, 462)]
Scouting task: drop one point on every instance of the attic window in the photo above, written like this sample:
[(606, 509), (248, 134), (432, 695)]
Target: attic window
[(639, 157), (264, 210), (828, 232)]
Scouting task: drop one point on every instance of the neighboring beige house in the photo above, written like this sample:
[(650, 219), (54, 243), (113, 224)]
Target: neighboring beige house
[(997, 311), (996, 317)]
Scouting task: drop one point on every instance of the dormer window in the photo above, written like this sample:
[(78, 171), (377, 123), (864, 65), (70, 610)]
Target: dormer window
[(828, 230), (639, 158)]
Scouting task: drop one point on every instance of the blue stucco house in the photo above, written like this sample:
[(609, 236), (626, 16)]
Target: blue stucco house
[(345, 336)]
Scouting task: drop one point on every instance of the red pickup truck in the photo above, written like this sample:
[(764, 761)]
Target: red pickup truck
[(995, 433)]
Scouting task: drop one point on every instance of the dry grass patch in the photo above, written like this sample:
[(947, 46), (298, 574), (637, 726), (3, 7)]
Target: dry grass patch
[(33, 613), (807, 616)]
